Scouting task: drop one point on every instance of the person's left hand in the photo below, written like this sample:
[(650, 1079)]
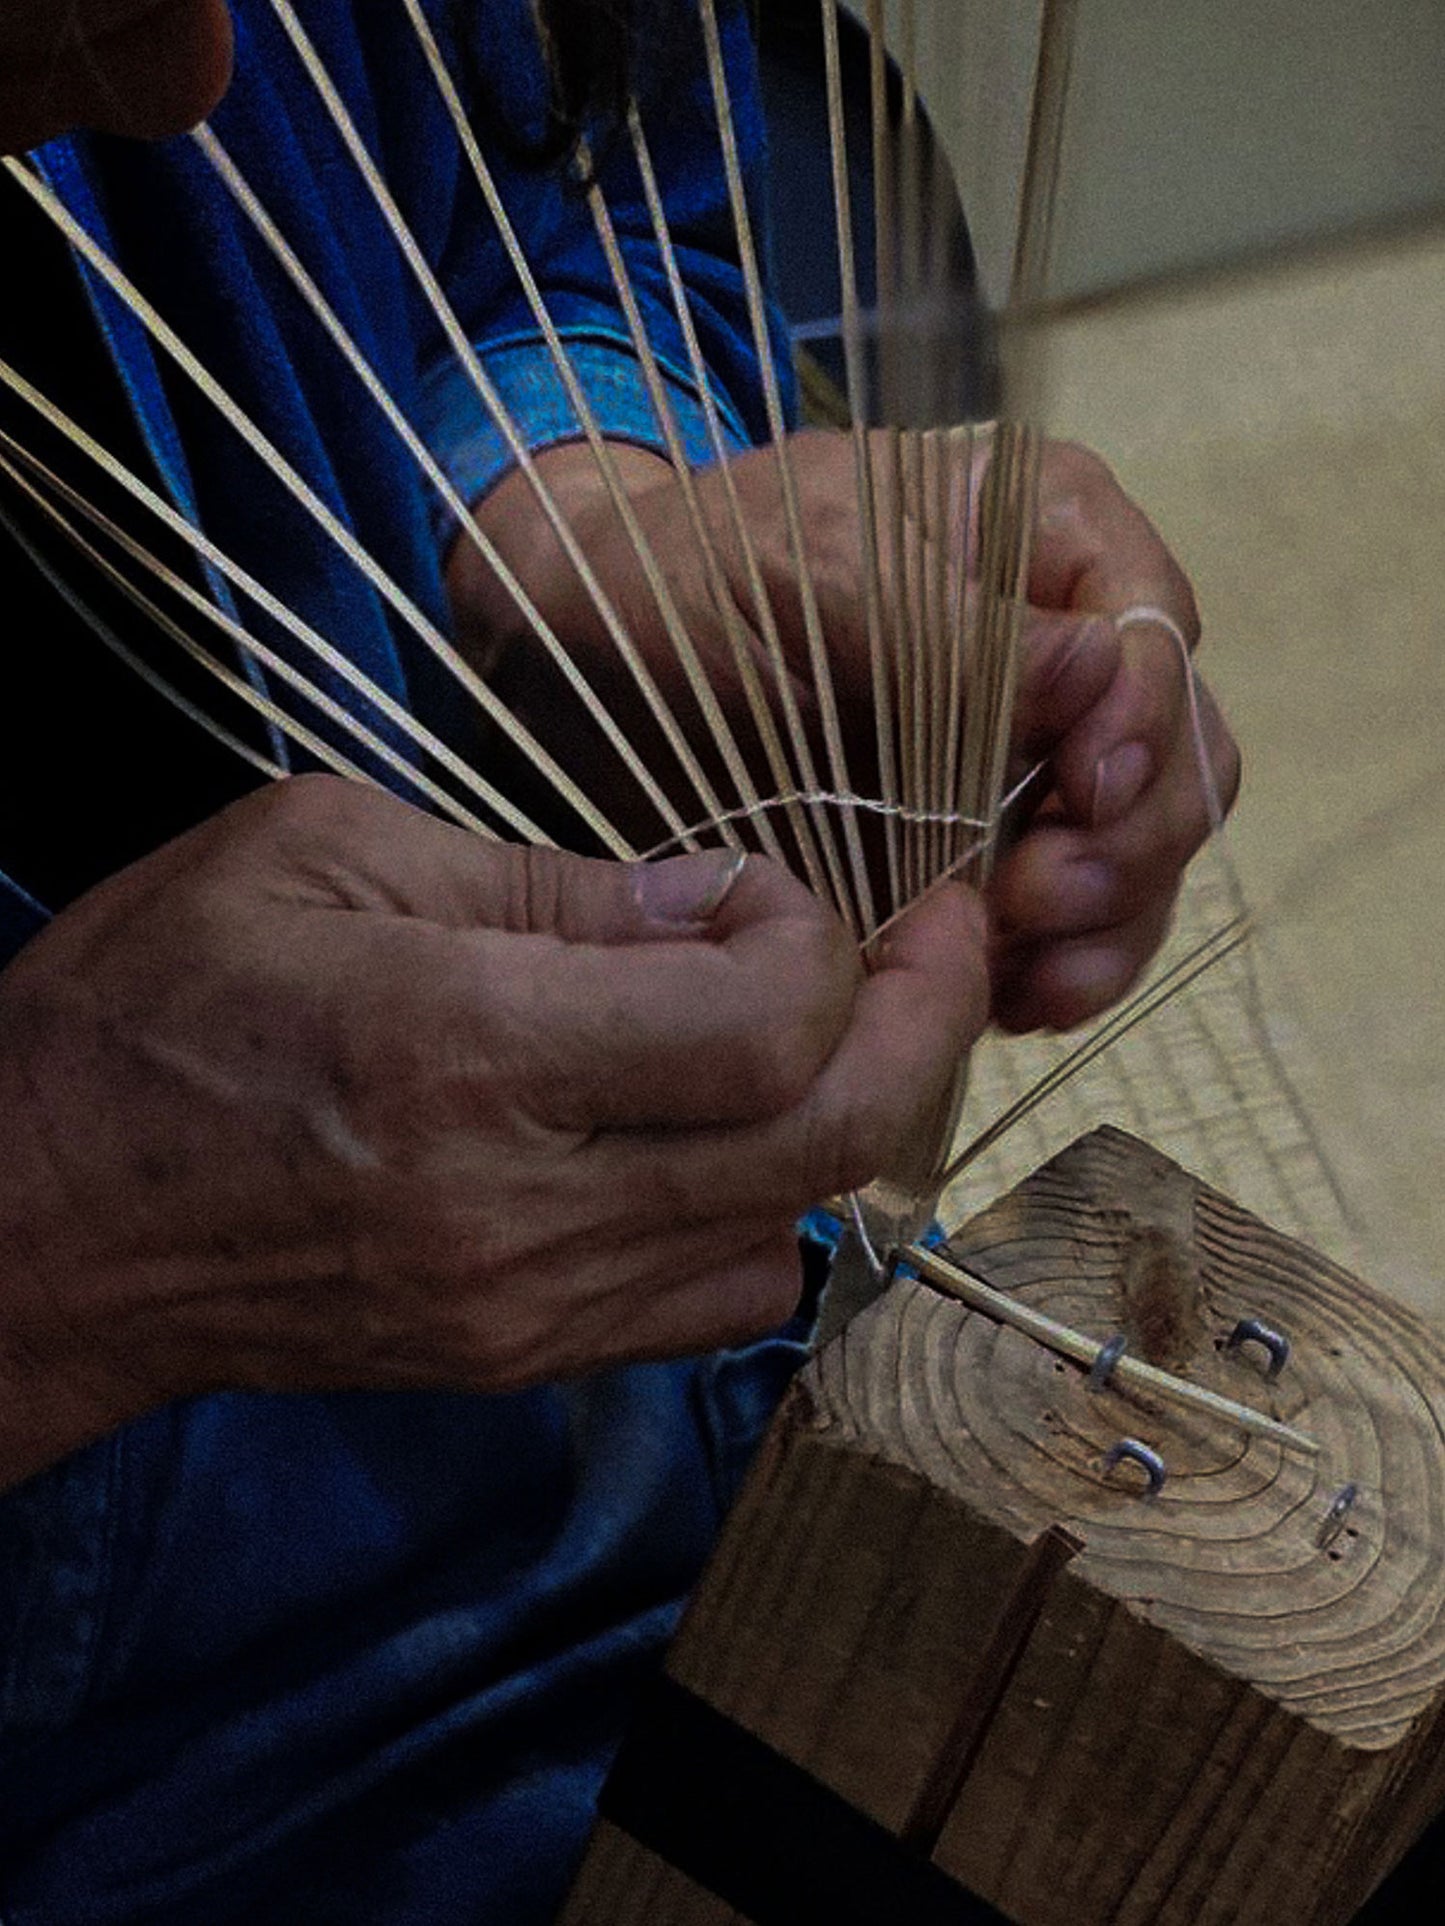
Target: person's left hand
[(1085, 898)]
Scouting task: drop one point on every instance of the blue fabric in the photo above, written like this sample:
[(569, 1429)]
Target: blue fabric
[(363, 1657), (531, 389)]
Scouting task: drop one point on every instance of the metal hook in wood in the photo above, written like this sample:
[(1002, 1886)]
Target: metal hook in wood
[(1252, 1330), (1102, 1369), (1334, 1520), (1142, 1455)]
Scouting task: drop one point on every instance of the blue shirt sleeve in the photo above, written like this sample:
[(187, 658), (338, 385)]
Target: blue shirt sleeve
[(553, 218), (473, 448)]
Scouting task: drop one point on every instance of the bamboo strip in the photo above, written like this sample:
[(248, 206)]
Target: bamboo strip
[(1132, 1374), (862, 917), (251, 645), (471, 365), (719, 729), (885, 725), (807, 831)]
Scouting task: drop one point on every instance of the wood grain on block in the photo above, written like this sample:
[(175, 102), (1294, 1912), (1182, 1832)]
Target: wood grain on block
[(1205, 1715)]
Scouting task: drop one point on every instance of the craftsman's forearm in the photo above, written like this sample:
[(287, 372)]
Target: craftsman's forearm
[(512, 519)]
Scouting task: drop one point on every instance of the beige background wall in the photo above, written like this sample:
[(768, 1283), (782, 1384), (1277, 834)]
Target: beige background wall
[(1199, 125)]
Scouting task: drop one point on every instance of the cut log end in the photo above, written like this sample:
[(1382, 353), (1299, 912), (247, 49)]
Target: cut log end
[(1229, 1705), (1110, 1237)]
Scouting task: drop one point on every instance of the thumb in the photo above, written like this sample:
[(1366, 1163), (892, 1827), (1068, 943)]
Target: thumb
[(545, 892), (704, 989), (345, 845)]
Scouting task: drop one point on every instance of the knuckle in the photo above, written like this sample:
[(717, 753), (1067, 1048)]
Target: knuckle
[(1080, 471), (303, 827), (535, 895), (306, 803)]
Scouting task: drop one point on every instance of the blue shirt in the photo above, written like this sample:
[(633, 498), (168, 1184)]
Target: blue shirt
[(357, 1657)]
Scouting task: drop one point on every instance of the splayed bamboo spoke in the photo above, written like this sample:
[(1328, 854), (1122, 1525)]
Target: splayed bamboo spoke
[(332, 526), (1034, 242), (739, 640), (1205, 956), (1006, 515), (1009, 501), (950, 533), (906, 398), (720, 730), (250, 645), (858, 409), (471, 365), (940, 497), (108, 638), (251, 205), (369, 692), (804, 775), (963, 473), (863, 917), (885, 249)]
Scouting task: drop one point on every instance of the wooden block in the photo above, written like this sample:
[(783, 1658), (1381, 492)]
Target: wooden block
[(1204, 1715)]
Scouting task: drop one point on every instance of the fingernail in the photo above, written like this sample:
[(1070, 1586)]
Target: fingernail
[(687, 891), (1119, 780)]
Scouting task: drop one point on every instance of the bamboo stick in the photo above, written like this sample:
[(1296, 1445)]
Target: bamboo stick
[(1131, 1374)]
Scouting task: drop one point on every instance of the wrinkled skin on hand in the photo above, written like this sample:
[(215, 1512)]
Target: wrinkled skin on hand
[(329, 1094), (1084, 901)]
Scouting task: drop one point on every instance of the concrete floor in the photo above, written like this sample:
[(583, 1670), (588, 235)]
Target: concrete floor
[(1289, 437)]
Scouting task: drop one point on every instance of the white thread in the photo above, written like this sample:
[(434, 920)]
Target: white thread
[(822, 799), (870, 1250), (1146, 615)]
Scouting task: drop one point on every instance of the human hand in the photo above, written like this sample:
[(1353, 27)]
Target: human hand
[(142, 67), (1085, 899), (328, 1094)]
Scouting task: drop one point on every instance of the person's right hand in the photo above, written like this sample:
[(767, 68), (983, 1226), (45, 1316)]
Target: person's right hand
[(328, 1094)]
